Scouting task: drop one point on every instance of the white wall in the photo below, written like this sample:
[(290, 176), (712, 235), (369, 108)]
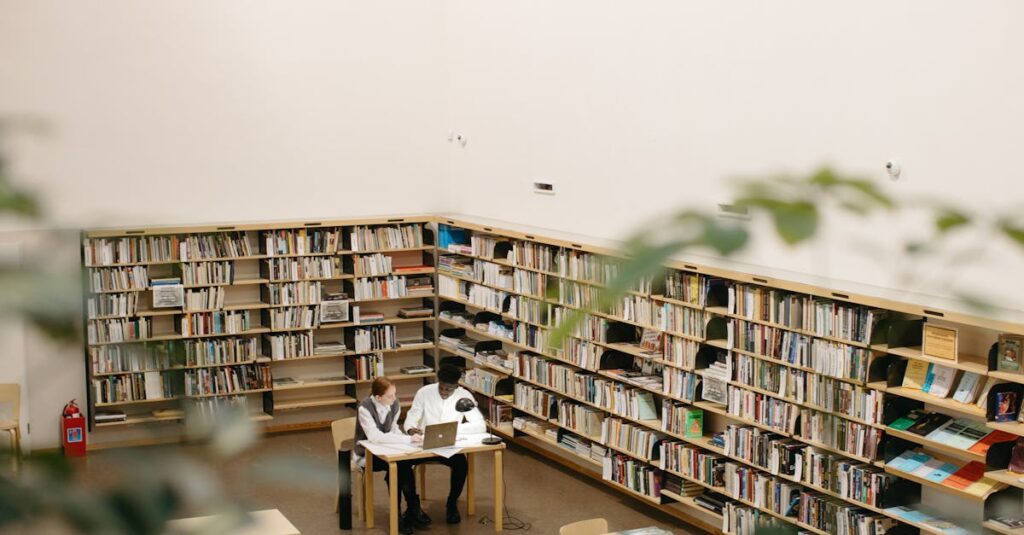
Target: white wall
[(188, 112), (192, 112), (636, 108)]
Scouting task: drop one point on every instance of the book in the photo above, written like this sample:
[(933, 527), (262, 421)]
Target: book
[(907, 420), (967, 388), (971, 433), (1006, 407), (928, 467), (1017, 457), (983, 396), (943, 378), (917, 372), (405, 342), (416, 370), (417, 312), (928, 378), (1009, 353), (982, 446), (411, 269), (647, 410), (694, 423), (110, 416), (1011, 522), (942, 472), (966, 475), (928, 424)]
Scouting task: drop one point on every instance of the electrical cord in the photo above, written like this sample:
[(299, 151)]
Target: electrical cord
[(509, 522)]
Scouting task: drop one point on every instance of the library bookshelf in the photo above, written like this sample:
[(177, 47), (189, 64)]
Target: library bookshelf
[(289, 321), (812, 424)]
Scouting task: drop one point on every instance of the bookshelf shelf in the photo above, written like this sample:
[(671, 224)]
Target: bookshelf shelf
[(137, 402), (1016, 428), (999, 528), (312, 383), (239, 282), (968, 363), (945, 488), (235, 393), (936, 446), (141, 420), (962, 408), (1007, 376), (1006, 477), (689, 502), (313, 403)]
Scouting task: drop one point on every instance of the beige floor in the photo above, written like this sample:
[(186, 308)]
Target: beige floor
[(539, 492)]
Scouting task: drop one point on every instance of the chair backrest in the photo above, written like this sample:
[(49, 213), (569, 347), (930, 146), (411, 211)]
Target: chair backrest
[(10, 401), (344, 432), (593, 526)]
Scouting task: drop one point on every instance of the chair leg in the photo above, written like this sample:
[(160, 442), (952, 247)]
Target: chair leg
[(15, 448)]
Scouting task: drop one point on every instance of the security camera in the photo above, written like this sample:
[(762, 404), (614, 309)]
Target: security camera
[(894, 169)]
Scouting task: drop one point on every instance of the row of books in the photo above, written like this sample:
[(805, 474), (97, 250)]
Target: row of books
[(969, 478), (640, 442), (835, 359), (635, 475), (458, 266), (364, 238), (680, 319), (392, 287), (118, 330), (687, 287), (533, 255), (110, 251), (579, 265), (942, 381), (219, 245), (823, 317), (194, 274), (131, 387), (220, 351), (129, 358), (119, 279), (294, 293), (637, 309), (204, 299), (288, 346), (378, 338), (115, 304), (967, 435), (204, 323), (293, 318), (227, 379), (482, 380), (303, 268), (301, 241)]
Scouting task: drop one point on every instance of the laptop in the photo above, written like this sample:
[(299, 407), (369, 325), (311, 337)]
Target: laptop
[(440, 435)]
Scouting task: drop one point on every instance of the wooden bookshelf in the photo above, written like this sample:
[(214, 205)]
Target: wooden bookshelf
[(258, 268), (251, 273)]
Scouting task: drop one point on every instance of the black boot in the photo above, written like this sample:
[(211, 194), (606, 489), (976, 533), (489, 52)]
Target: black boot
[(405, 524), (453, 516), (415, 514)]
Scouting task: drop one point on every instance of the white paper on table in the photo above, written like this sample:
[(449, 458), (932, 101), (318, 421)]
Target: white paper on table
[(388, 449)]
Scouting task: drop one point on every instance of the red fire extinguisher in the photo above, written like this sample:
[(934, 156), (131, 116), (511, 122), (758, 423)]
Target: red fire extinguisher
[(72, 425)]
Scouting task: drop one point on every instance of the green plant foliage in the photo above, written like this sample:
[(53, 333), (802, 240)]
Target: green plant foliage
[(950, 219)]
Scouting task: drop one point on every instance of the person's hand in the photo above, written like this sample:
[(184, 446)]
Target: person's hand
[(416, 438), (414, 431)]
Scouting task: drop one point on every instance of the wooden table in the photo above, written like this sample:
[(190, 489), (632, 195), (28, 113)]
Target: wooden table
[(266, 522), (470, 452)]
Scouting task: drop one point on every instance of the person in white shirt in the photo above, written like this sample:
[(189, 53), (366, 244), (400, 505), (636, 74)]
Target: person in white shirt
[(435, 404), (378, 423)]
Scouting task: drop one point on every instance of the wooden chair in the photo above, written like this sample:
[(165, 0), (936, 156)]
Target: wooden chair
[(593, 526), (10, 396), (344, 433)]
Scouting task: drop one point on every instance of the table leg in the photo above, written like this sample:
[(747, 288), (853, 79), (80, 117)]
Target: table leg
[(393, 491), (499, 495), (368, 488), (470, 486)]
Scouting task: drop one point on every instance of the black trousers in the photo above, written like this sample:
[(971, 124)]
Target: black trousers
[(406, 478), (460, 469)]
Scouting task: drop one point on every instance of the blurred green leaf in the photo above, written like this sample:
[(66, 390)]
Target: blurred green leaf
[(796, 222), (950, 219), (870, 191), (726, 239), (16, 201), (1012, 231)]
